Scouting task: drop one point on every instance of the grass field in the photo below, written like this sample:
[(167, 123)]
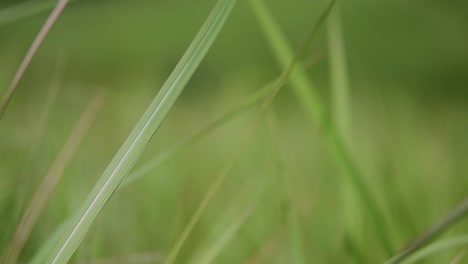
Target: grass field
[(303, 136)]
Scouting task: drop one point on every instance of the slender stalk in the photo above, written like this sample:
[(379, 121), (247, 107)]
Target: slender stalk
[(30, 54), (134, 145)]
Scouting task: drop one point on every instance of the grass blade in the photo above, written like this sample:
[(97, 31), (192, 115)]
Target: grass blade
[(452, 217), (342, 117), (340, 86), (249, 196), (303, 89), (248, 134), (444, 244), (30, 54), (50, 181), (228, 234), (134, 145)]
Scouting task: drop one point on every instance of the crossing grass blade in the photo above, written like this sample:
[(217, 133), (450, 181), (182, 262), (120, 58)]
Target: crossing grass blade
[(134, 145), (303, 89)]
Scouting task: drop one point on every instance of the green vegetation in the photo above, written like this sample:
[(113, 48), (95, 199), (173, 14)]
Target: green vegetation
[(283, 132)]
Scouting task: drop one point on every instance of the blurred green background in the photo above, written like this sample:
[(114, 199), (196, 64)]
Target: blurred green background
[(408, 67)]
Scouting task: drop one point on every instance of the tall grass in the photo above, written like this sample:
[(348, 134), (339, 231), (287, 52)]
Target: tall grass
[(359, 201)]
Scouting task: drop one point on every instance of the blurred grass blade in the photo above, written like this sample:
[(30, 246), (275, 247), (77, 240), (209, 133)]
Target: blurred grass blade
[(244, 205), (30, 54), (50, 181), (226, 236), (449, 220), (133, 146), (340, 87), (40, 131), (459, 257), (445, 244), (219, 180), (303, 90), (342, 118)]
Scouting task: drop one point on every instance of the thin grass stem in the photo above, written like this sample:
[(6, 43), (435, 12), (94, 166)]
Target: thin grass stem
[(30, 54)]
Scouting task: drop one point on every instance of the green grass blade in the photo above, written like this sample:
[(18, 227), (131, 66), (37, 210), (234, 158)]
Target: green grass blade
[(340, 87), (247, 135), (342, 118), (449, 220), (134, 145), (30, 54), (303, 90)]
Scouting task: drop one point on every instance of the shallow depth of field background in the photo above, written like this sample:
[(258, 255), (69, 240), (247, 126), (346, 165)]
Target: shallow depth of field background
[(408, 66)]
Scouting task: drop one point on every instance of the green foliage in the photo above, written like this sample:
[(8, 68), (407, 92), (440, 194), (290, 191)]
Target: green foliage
[(397, 140)]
